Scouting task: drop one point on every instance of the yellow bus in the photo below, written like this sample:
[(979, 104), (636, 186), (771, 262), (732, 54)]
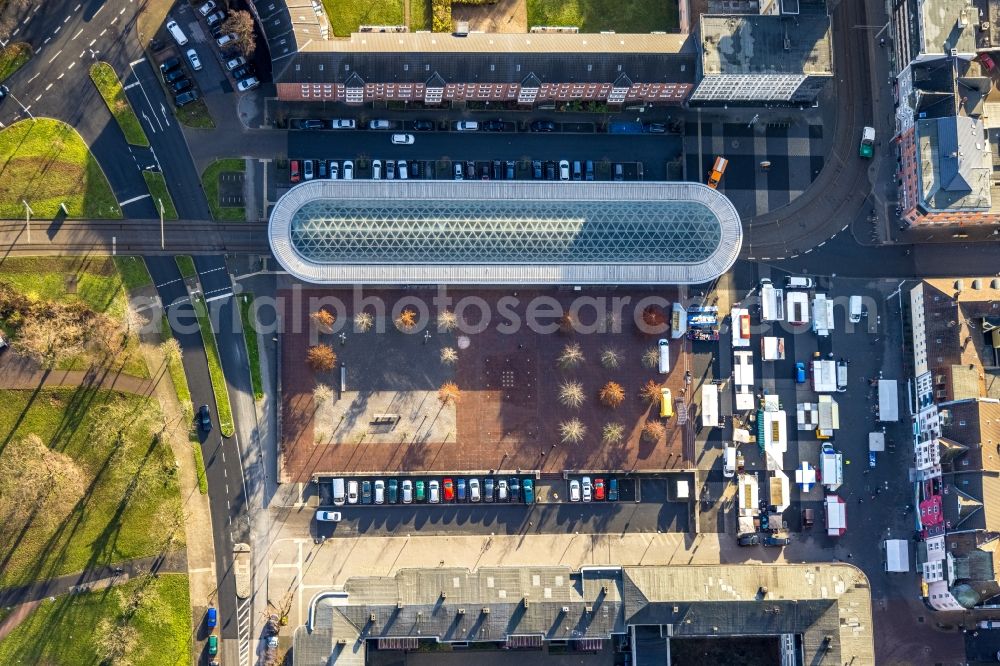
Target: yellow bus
[(666, 404)]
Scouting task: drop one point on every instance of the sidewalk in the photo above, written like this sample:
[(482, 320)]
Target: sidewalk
[(18, 372)]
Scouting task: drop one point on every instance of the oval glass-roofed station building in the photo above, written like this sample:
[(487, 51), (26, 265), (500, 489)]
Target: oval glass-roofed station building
[(488, 232)]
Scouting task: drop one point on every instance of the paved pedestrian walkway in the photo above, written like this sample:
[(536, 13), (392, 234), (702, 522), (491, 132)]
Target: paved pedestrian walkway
[(18, 372)]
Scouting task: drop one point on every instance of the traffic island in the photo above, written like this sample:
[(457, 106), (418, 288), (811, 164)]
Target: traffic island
[(104, 77), (13, 57)]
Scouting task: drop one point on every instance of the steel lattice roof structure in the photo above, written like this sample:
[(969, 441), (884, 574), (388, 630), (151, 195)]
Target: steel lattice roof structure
[(476, 232)]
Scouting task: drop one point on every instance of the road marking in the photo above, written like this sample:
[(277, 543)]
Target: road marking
[(38, 98), (220, 268), (77, 33), (244, 616), (821, 244), (71, 65), (33, 78), (96, 13), (56, 31), (131, 85), (808, 251), (16, 30), (114, 20), (220, 296), (66, 20), (166, 283), (102, 31), (844, 228), (200, 570), (122, 11), (61, 74), (47, 87), (47, 40), (55, 56), (225, 473), (92, 42), (81, 53), (77, 8), (136, 62), (141, 87), (134, 199), (223, 455)]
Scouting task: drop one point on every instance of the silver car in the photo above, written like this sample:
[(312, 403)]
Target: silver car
[(474, 491), (434, 492), (574, 491), (407, 491), (587, 489), (380, 491)]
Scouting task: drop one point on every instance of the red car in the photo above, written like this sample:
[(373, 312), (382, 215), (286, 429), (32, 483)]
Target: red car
[(598, 489), (449, 491), (296, 174)]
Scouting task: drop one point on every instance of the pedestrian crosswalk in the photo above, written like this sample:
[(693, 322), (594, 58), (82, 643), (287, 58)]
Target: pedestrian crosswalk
[(244, 629)]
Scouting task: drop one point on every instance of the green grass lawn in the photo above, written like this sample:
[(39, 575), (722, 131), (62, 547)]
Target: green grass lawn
[(133, 272), (210, 182), (157, 185), (199, 467), (110, 523), (420, 15), (45, 162), (104, 77), (250, 334), (347, 15), (93, 281), (195, 114), (186, 266), (175, 367), (64, 631), (12, 58), (215, 368), (597, 15)]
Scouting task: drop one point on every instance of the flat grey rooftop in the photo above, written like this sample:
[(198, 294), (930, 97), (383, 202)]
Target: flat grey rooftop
[(748, 44), (474, 232), (947, 25)]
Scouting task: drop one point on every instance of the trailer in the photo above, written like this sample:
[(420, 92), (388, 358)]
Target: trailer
[(710, 406), (836, 515), (888, 401), (772, 302), (824, 376), (831, 468), (798, 307), (897, 555), (772, 348), (822, 315), (739, 319), (743, 368)]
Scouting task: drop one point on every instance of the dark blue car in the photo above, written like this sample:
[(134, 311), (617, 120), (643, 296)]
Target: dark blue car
[(212, 617), (461, 490)]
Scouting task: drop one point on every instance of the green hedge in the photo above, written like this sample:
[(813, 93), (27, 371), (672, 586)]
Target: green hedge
[(250, 335), (441, 11)]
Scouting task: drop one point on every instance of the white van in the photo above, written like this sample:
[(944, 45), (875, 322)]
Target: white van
[(841, 376), (729, 461), (338, 492), (352, 492), (854, 310), (176, 32), (664, 356), (795, 282), (466, 126)]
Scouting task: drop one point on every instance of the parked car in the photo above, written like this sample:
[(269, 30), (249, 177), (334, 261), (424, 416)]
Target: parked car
[(407, 491), (402, 139), (800, 372), (656, 128), (215, 19), (312, 124), (213, 645), (307, 169), (467, 126), (613, 490), (536, 170), (458, 171), (238, 61), (502, 491), (420, 491), (749, 540), (776, 541), (376, 169), (588, 170), (173, 75), (180, 85), (574, 490), (434, 491), (348, 170), (227, 38), (211, 617), (295, 173), (204, 418), (380, 491), (550, 170), (619, 172), (484, 171), (245, 71), (378, 124), (493, 126), (543, 126), (563, 170), (808, 518), (577, 170), (366, 492), (423, 125), (218, 31), (588, 489), (186, 98), (509, 174), (529, 491), (334, 170), (193, 58), (497, 170), (515, 489), (474, 491), (488, 490), (328, 516), (470, 170), (599, 489), (401, 169), (461, 490), (342, 123), (247, 84), (207, 8), (352, 492), (169, 64), (393, 491)]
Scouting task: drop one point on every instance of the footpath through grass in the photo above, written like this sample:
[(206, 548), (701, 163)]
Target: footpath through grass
[(128, 482), (104, 77), (12, 58), (640, 16), (157, 186), (45, 163), (215, 368), (210, 183), (69, 629), (250, 335)]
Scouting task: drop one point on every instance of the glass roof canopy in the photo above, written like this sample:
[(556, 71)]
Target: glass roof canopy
[(475, 232)]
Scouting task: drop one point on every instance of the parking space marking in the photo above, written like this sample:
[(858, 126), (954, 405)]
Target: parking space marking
[(71, 65), (77, 8), (66, 20), (55, 56), (78, 33), (98, 12)]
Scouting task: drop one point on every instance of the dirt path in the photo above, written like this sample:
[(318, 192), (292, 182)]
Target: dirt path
[(17, 372)]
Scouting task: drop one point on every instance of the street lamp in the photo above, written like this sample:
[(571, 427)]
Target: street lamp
[(19, 103), (162, 240), (27, 218)]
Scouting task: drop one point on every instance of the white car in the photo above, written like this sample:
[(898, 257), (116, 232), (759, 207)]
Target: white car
[(342, 123), (352, 486), (474, 492), (407, 491), (401, 169), (402, 139), (458, 171), (334, 170), (433, 492), (574, 491), (466, 126), (348, 170), (376, 169), (501, 491), (378, 124), (207, 8), (587, 489), (379, 491), (225, 39), (248, 83), (563, 170), (193, 58), (328, 516), (238, 61)]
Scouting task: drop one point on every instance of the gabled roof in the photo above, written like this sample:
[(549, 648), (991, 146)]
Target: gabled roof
[(436, 81)]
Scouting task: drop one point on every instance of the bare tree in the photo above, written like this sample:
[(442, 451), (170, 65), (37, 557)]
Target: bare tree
[(571, 394), (653, 431), (363, 322), (50, 335), (611, 358), (406, 320), (571, 356), (37, 483), (651, 391), (171, 350), (324, 320), (121, 424), (447, 321), (321, 358), (567, 323), (240, 23), (449, 355), (572, 431), (651, 357), (449, 393), (322, 394), (115, 641), (612, 394), (612, 433)]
